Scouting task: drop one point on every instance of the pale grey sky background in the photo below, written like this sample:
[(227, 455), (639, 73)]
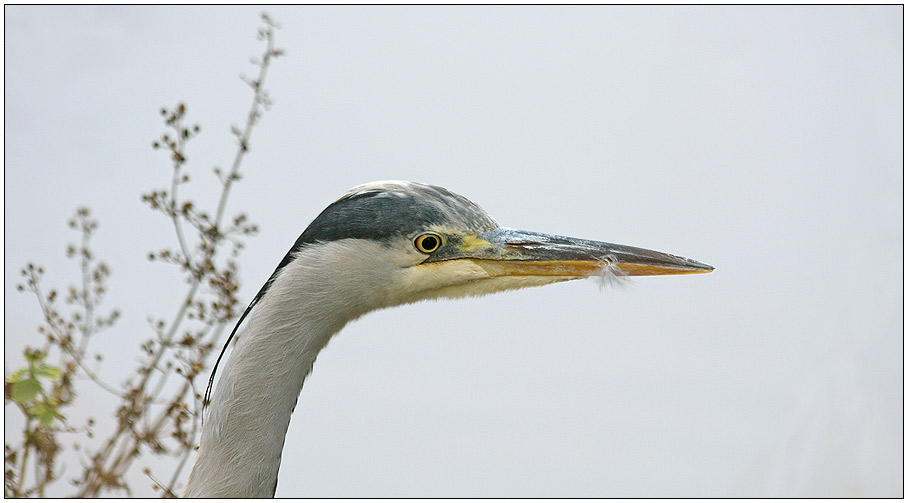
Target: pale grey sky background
[(766, 141)]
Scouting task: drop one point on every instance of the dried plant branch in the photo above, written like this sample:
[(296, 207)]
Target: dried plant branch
[(155, 413), (260, 102)]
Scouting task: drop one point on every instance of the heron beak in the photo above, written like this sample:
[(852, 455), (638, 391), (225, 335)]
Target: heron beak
[(510, 252)]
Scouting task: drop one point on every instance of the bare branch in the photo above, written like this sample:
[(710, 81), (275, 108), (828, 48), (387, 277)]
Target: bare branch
[(152, 415)]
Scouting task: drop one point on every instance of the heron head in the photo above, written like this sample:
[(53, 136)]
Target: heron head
[(401, 242)]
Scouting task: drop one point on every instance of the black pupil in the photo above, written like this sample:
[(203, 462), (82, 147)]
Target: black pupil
[(429, 243)]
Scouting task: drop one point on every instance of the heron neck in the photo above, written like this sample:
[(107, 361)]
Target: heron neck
[(243, 434)]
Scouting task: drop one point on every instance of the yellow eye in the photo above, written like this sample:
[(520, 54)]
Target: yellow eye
[(427, 242)]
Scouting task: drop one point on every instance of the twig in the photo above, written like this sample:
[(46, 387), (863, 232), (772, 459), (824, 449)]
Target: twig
[(211, 236)]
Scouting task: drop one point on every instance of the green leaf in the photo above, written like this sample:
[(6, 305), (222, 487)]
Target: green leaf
[(46, 417), (25, 390), (46, 371), (43, 413), (16, 376)]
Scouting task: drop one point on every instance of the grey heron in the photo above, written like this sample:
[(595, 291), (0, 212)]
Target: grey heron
[(380, 245)]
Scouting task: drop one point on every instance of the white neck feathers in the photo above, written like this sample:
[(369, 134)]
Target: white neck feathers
[(243, 433)]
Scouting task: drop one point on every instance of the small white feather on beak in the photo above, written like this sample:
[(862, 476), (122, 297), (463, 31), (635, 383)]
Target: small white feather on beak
[(610, 275)]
